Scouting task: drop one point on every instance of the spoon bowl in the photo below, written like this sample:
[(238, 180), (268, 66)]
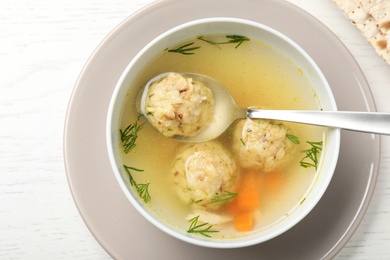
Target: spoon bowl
[(226, 112)]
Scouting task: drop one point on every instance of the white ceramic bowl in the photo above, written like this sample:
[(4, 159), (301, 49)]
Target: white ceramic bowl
[(252, 30)]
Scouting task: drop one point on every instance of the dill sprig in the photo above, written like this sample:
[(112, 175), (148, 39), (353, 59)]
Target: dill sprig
[(203, 229), (143, 191), (129, 136), (223, 198), (143, 188), (232, 39), (311, 155), (185, 49), (294, 139)]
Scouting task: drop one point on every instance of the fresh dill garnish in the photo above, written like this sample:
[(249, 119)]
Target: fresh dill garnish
[(294, 139), (140, 116), (142, 189), (203, 229), (130, 135), (242, 141), (131, 179), (232, 39), (311, 155), (185, 49), (223, 198)]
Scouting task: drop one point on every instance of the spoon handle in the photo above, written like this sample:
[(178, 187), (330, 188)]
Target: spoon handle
[(369, 122)]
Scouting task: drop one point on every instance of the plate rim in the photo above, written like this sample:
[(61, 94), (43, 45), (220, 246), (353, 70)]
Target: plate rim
[(370, 104)]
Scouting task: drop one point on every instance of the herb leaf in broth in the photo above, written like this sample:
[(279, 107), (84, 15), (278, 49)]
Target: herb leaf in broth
[(202, 229), (130, 135), (223, 198), (142, 189), (294, 139), (311, 155), (232, 39), (185, 49), (188, 49)]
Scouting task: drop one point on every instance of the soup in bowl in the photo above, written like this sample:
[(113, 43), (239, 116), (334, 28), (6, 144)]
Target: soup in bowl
[(257, 179)]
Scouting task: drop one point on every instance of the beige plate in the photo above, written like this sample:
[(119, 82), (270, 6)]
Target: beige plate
[(122, 231)]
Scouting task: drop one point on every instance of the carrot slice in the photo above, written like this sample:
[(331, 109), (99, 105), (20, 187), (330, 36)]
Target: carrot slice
[(249, 181), (242, 207), (244, 221), (248, 191), (248, 200), (232, 207)]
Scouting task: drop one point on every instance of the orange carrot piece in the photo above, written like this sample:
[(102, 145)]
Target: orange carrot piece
[(248, 200), (244, 221), (248, 191), (232, 207), (249, 180)]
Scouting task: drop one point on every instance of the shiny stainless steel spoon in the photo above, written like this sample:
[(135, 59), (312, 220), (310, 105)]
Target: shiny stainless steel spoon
[(226, 112)]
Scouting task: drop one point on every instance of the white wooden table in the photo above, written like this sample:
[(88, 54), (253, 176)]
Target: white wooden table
[(43, 47)]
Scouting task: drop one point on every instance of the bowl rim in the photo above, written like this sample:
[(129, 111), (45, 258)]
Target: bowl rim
[(156, 221)]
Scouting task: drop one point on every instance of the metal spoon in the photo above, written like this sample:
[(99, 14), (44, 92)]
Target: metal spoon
[(226, 112)]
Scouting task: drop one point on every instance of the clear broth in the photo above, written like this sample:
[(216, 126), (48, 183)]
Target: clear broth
[(256, 74)]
